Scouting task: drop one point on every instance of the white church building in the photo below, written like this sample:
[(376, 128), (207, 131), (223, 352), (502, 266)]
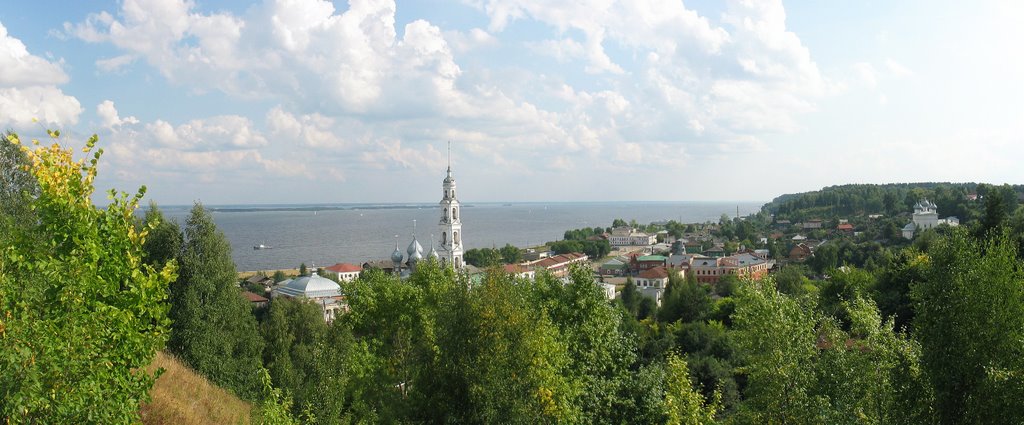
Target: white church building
[(926, 216), (452, 252)]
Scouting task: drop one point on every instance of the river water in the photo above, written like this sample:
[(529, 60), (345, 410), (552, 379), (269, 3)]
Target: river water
[(354, 233)]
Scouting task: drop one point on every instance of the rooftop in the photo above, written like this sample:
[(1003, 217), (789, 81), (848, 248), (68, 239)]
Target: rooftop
[(309, 287), (344, 268)]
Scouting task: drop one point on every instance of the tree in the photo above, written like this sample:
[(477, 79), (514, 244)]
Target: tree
[(304, 359), (726, 285), (630, 297), (165, 239), (801, 367), (279, 276), (81, 316), (303, 271), (685, 300), (18, 186), (792, 280), (683, 404), (214, 330), (969, 318), (775, 336), (590, 328), (510, 254)]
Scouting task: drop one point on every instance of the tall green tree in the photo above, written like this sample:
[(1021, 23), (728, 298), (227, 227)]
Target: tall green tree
[(305, 356), (683, 404), (590, 328), (214, 330), (630, 297), (803, 367), (969, 317), (510, 254), (81, 316), (165, 238), (685, 300)]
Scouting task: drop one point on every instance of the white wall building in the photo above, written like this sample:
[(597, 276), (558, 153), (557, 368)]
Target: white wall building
[(451, 223), (926, 216), (626, 236)]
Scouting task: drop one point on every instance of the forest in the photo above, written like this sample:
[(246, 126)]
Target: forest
[(930, 333)]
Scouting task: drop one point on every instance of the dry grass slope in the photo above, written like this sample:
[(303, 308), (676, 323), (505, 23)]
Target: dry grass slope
[(181, 396)]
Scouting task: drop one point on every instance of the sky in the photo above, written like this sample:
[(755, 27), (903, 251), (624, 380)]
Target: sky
[(309, 101)]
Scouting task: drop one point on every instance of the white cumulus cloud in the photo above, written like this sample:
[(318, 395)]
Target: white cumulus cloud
[(28, 88)]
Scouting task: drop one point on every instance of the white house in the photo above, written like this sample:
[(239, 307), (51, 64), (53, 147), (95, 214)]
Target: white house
[(653, 282), (345, 272)]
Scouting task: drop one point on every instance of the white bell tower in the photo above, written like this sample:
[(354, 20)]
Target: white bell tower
[(451, 220)]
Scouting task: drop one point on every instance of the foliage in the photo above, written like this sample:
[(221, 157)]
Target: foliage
[(801, 367), (888, 199), (483, 257), (81, 316), (683, 404), (279, 276), (593, 248), (792, 279), (276, 407), (630, 297), (685, 300), (969, 318), (305, 356), (510, 254), (165, 238), (18, 186), (213, 328)]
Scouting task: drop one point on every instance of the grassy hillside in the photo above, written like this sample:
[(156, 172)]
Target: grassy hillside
[(181, 396)]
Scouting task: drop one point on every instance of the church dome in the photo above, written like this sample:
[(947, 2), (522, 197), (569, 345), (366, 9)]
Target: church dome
[(433, 252), (312, 286), (396, 257), (415, 248)]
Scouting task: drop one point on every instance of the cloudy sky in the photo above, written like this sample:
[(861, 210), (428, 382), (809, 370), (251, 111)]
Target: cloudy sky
[(286, 101)]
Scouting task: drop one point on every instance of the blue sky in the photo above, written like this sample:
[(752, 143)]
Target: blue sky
[(309, 101)]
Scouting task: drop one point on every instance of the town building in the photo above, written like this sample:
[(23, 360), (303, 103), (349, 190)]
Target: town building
[(627, 236), (926, 216), (652, 283), (344, 272), (260, 279), (558, 265), (811, 224), (742, 265), (614, 267), (256, 300), (647, 262), (519, 270), (316, 289)]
